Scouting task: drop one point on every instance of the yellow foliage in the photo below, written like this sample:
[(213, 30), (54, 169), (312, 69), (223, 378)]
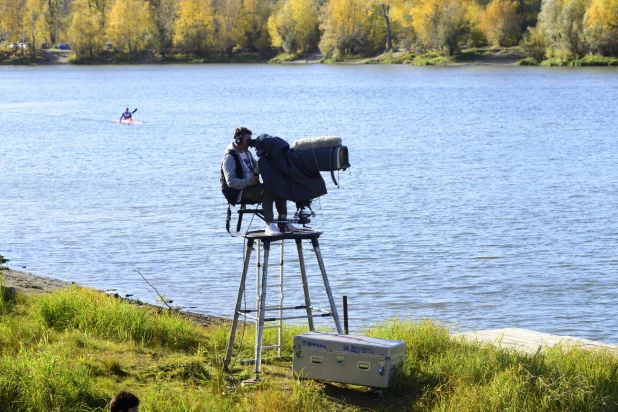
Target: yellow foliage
[(226, 14), (442, 24), (252, 29), (194, 25), (11, 18), (85, 33), (501, 23), (293, 25), (347, 25), (129, 24), (34, 23), (602, 14)]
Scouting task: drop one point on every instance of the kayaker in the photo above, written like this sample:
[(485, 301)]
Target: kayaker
[(126, 115)]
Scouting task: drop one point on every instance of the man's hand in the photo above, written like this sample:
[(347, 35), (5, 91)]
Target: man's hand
[(254, 180)]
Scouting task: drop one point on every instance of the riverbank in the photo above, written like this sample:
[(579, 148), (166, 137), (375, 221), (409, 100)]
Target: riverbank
[(30, 284), (83, 346), (491, 56), (469, 57)]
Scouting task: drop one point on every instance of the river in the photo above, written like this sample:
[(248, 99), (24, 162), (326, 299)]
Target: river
[(482, 197)]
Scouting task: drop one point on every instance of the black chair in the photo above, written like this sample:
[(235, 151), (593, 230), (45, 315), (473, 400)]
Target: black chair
[(241, 212)]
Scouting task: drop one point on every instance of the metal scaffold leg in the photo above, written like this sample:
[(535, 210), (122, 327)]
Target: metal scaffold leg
[(260, 317)]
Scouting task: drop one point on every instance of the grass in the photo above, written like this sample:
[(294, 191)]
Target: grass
[(392, 58), (595, 60), (236, 57), (117, 57), (18, 59), (555, 62), (528, 61), (284, 57), (75, 348)]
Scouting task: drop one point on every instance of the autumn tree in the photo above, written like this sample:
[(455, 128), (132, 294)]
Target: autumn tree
[(562, 24), (293, 26), (401, 23), (129, 25), (534, 44), (164, 19), (601, 26), (54, 18), (34, 24), (351, 27), (500, 23), (442, 25), (12, 19), (85, 32), (194, 28), (226, 21), (385, 8), (251, 32)]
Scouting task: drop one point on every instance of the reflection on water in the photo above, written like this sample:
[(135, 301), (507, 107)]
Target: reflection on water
[(481, 197)]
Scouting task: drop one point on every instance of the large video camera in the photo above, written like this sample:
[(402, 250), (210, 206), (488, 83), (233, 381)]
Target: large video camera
[(293, 173)]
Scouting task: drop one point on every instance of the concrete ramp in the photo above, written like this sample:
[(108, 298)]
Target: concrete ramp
[(53, 56), (530, 341)]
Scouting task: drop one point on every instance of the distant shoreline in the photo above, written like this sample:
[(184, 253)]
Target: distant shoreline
[(486, 56), (50, 57)]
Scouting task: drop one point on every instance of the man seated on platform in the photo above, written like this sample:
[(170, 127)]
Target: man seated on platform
[(240, 182)]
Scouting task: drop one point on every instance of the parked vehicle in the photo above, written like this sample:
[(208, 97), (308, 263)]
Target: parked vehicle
[(63, 46)]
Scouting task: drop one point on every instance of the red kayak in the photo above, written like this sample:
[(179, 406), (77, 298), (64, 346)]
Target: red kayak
[(130, 121)]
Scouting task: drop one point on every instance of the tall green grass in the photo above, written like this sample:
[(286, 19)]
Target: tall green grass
[(45, 381), (72, 350), (449, 374), (111, 318)]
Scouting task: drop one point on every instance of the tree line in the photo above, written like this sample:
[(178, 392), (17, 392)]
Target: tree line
[(338, 28)]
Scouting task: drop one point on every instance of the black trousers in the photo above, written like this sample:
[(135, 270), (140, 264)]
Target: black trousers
[(259, 194)]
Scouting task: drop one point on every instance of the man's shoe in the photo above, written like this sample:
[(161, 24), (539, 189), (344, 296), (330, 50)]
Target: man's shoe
[(291, 228), (271, 230)]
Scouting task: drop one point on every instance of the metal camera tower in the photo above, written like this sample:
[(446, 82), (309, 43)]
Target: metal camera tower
[(261, 314)]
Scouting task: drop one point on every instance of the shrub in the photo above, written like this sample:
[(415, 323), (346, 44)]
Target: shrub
[(528, 61)]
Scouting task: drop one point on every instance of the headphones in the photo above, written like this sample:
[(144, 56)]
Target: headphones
[(240, 133)]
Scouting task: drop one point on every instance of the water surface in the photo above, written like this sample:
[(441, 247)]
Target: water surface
[(483, 197)]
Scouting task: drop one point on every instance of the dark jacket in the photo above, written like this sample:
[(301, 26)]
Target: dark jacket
[(287, 174)]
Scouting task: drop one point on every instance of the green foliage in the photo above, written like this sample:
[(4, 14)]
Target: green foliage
[(284, 57), (393, 58), (433, 59), (555, 62), (528, 61), (595, 60)]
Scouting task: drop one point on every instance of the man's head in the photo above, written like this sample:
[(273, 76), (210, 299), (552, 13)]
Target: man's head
[(126, 110), (242, 136), (124, 402)]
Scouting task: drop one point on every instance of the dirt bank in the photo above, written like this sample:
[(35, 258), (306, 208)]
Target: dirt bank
[(30, 284), (27, 283)]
